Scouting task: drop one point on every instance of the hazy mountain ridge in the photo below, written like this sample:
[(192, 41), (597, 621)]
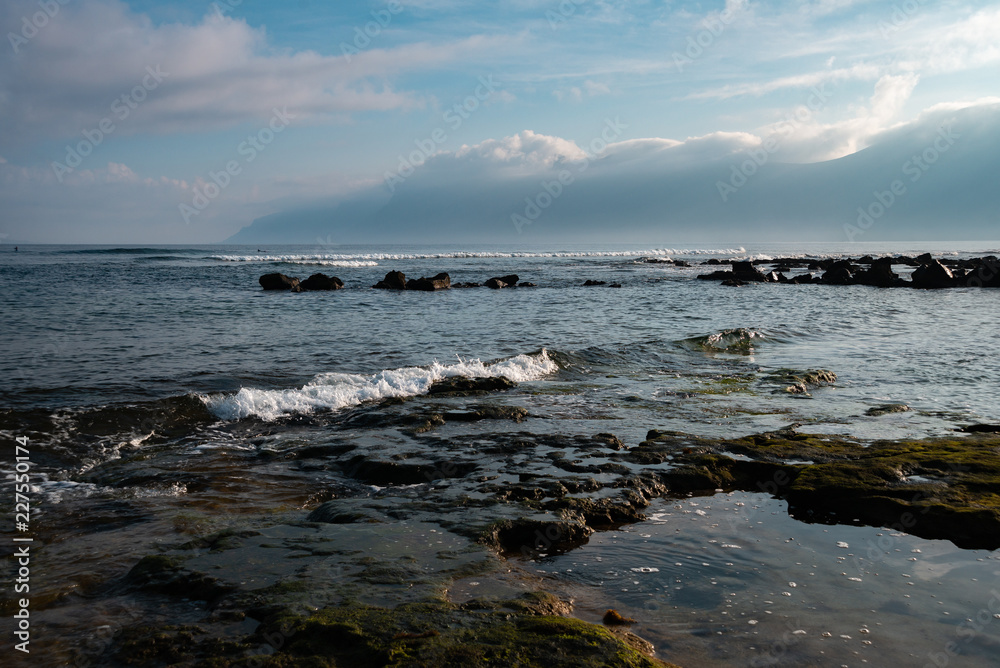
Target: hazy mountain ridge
[(945, 167)]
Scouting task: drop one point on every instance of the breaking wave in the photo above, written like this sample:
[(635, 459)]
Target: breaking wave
[(375, 257), (331, 391)]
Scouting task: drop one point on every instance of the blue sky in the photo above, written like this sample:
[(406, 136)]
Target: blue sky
[(706, 78)]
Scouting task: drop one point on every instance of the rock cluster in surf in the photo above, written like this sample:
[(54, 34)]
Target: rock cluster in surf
[(929, 273)]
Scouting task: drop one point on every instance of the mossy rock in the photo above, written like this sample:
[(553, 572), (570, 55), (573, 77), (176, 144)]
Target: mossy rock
[(507, 633), (957, 497)]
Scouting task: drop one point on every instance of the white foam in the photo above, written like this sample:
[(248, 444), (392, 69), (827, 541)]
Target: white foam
[(312, 260), (371, 259), (341, 390)]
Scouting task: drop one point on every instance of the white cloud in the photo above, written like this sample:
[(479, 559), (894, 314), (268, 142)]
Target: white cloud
[(217, 73), (525, 149)]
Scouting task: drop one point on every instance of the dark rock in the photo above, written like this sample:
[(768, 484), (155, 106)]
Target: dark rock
[(321, 282), (803, 279), (277, 282), (717, 276), (394, 280), (384, 473), (591, 282), (533, 537), (527, 285), (733, 283), (466, 285), (461, 386), (838, 276), (932, 275), (982, 429), (615, 285), (879, 275), (440, 282), (498, 282), (747, 272)]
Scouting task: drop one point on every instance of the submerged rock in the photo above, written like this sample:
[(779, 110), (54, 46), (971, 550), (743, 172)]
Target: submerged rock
[(886, 409), (277, 282)]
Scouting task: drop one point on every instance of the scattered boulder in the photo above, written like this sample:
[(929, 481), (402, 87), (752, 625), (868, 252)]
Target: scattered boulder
[(527, 285), (496, 284), (394, 280), (320, 282), (440, 282), (591, 283), (277, 282)]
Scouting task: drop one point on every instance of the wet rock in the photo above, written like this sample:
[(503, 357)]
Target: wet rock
[(592, 283), (394, 280), (465, 387), (513, 413), (886, 409), (167, 575), (339, 512), (277, 282), (466, 285), (499, 282), (320, 282), (615, 618), (480, 633), (932, 275), (440, 282), (530, 538), (982, 429), (606, 513), (733, 283), (385, 473), (526, 285)]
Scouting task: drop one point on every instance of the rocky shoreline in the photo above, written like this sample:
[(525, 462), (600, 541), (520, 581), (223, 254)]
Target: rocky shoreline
[(473, 504)]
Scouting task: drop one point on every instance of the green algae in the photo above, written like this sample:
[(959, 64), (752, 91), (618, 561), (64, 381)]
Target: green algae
[(935, 488), (521, 632)]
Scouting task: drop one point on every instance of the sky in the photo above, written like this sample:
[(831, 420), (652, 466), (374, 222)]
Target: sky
[(144, 122)]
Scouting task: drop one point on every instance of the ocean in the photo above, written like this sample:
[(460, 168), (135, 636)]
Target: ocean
[(166, 398)]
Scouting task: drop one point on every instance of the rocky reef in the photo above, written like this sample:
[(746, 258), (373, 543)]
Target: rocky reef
[(928, 272)]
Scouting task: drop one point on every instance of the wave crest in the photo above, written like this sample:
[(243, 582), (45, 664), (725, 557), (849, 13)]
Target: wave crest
[(332, 391)]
